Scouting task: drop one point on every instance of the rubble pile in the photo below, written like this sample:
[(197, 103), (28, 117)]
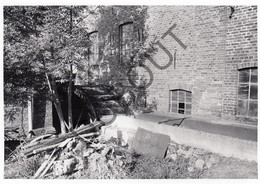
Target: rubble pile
[(53, 146), (197, 160), (84, 153), (81, 153), (93, 159), (106, 160)]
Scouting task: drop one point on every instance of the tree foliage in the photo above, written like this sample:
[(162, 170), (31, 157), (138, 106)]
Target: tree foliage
[(116, 72), (41, 43), (41, 46), (39, 40)]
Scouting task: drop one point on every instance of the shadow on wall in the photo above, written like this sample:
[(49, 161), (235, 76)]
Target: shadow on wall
[(39, 107)]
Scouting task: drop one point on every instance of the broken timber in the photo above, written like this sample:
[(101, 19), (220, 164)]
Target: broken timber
[(46, 145)]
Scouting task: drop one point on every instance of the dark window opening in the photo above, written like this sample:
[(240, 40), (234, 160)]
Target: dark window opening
[(140, 35), (181, 105), (181, 111), (247, 93), (39, 108), (180, 101)]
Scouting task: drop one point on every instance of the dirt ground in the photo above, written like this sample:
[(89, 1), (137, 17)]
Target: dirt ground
[(214, 166), (230, 168)]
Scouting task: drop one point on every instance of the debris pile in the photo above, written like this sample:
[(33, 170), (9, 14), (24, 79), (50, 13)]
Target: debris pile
[(83, 154), (94, 159), (198, 159), (63, 154), (79, 154), (40, 144)]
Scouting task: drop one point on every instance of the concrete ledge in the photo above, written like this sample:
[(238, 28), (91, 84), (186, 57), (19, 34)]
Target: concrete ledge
[(209, 125), (124, 127)]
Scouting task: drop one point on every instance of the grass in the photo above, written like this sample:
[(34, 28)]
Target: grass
[(22, 168), (147, 167)]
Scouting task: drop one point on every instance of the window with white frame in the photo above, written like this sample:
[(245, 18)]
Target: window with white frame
[(180, 101), (247, 93)]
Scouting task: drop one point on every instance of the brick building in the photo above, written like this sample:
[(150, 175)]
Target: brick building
[(206, 59), (205, 64)]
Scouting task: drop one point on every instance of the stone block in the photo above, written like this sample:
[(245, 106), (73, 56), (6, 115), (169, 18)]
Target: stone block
[(62, 167), (88, 152), (80, 147), (199, 163), (147, 142), (66, 166), (191, 169)]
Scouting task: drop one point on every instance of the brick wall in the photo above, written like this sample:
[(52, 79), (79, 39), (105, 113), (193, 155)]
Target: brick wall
[(206, 48), (216, 47), (241, 52)]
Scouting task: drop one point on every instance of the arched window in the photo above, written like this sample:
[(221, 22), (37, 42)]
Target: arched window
[(180, 101), (94, 48), (247, 93), (126, 31)]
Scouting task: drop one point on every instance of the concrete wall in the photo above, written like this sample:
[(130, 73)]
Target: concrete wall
[(125, 128), (19, 118)]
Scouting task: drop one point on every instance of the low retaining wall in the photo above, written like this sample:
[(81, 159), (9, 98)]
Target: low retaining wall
[(125, 127)]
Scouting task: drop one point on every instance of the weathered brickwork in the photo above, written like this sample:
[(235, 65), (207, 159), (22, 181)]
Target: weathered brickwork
[(241, 52), (207, 46), (217, 47)]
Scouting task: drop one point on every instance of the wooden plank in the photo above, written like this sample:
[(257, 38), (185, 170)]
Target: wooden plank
[(51, 144), (43, 166)]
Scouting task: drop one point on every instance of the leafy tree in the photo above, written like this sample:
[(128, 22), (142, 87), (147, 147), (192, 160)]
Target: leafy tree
[(43, 43), (116, 71)]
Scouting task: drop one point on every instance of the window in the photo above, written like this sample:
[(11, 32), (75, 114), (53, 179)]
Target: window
[(140, 35), (93, 57), (93, 50), (111, 44), (180, 101), (247, 93), (126, 38)]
